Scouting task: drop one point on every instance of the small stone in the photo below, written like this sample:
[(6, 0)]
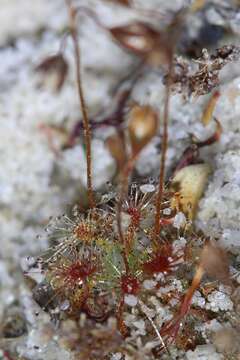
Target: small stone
[(179, 220), (167, 211), (130, 300), (65, 305), (218, 300), (116, 356), (140, 325), (198, 300), (147, 188), (149, 284)]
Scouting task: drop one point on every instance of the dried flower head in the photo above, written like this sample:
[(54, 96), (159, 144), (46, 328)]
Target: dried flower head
[(191, 81), (137, 37)]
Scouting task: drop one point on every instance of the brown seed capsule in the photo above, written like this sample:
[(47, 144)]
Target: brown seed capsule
[(55, 69), (136, 37), (142, 126), (117, 149), (215, 262), (142, 40)]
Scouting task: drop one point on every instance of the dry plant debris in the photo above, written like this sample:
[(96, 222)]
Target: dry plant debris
[(189, 80)]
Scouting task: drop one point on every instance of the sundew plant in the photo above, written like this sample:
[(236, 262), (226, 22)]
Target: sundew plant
[(133, 255)]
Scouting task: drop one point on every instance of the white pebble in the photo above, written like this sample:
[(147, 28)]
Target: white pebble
[(147, 188), (149, 284), (179, 220), (130, 300)]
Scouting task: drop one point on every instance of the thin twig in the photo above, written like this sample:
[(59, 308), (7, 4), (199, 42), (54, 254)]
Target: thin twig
[(164, 147), (87, 130)]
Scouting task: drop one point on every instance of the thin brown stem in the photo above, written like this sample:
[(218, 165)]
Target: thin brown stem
[(126, 170), (123, 190), (87, 130), (171, 328), (164, 147)]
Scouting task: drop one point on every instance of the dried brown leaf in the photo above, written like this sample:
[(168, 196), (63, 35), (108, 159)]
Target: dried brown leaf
[(137, 37), (117, 149)]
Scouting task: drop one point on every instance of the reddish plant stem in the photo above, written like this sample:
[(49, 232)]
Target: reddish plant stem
[(121, 325), (87, 130), (170, 329), (164, 147), (188, 297)]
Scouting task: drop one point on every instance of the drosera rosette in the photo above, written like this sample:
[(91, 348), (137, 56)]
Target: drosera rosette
[(121, 283), (70, 278), (135, 288), (165, 261), (85, 270), (171, 247), (82, 230), (67, 267), (138, 202), (144, 262), (138, 210)]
